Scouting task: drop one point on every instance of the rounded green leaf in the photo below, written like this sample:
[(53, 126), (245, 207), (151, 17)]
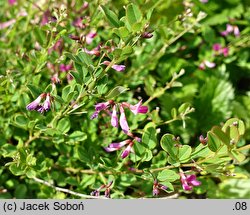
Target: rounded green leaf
[(64, 125), (149, 136), (168, 144), (116, 91), (213, 142), (184, 153), (168, 175)]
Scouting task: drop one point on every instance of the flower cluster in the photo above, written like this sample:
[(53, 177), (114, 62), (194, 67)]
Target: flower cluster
[(112, 108), (231, 29), (157, 187), (106, 192), (188, 181), (218, 49), (36, 104), (105, 106), (129, 142)]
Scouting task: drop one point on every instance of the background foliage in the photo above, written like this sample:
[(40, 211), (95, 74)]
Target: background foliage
[(49, 155)]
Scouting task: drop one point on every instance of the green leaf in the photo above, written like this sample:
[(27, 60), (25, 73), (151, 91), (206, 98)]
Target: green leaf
[(133, 14), (64, 125), (83, 154), (21, 121), (77, 136), (233, 133), (235, 122), (16, 170), (221, 135), (20, 191), (40, 35), (111, 17), (149, 136), (200, 151), (116, 91), (184, 153), (84, 58), (35, 91), (8, 150), (147, 155), (240, 157), (168, 144), (213, 142), (168, 175), (123, 32)]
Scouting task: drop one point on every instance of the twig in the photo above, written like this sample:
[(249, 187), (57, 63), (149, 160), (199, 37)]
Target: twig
[(66, 190)]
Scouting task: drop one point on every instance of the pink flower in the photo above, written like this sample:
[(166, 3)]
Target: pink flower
[(123, 120), (225, 51), (216, 47), (11, 2), (157, 187), (90, 36), (95, 51), (58, 46), (205, 64), (138, 108), (231, 29), (220, 50), (65, 68), (55, 79), (47, 104), (45, 17), (147, 35), (6, 24), (35, 104), (116, 146), (78, 23), (204, 1), (118, 68), (114, 118), (188, 181), (99, 107), (127, 150)]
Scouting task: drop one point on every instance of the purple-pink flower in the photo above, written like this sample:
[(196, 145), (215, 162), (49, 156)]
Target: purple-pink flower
[(11, 2), (95, 51), (123, 120), (231, 29), (138, 108), (220, 50), (117, 146), (157, 187), (99, 107), (107, 190), (36, 104), (127, 150), (118, 68), (111, 107), (65, 68), (189, 181), (90, 36), (114, 118), (205, 64), (6, 24)]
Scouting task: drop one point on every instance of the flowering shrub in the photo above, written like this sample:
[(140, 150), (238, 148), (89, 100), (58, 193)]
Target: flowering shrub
[(124, 100)]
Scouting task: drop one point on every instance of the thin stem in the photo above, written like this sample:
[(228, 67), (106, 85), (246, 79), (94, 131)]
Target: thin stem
[(67, 190), (243, 148)]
